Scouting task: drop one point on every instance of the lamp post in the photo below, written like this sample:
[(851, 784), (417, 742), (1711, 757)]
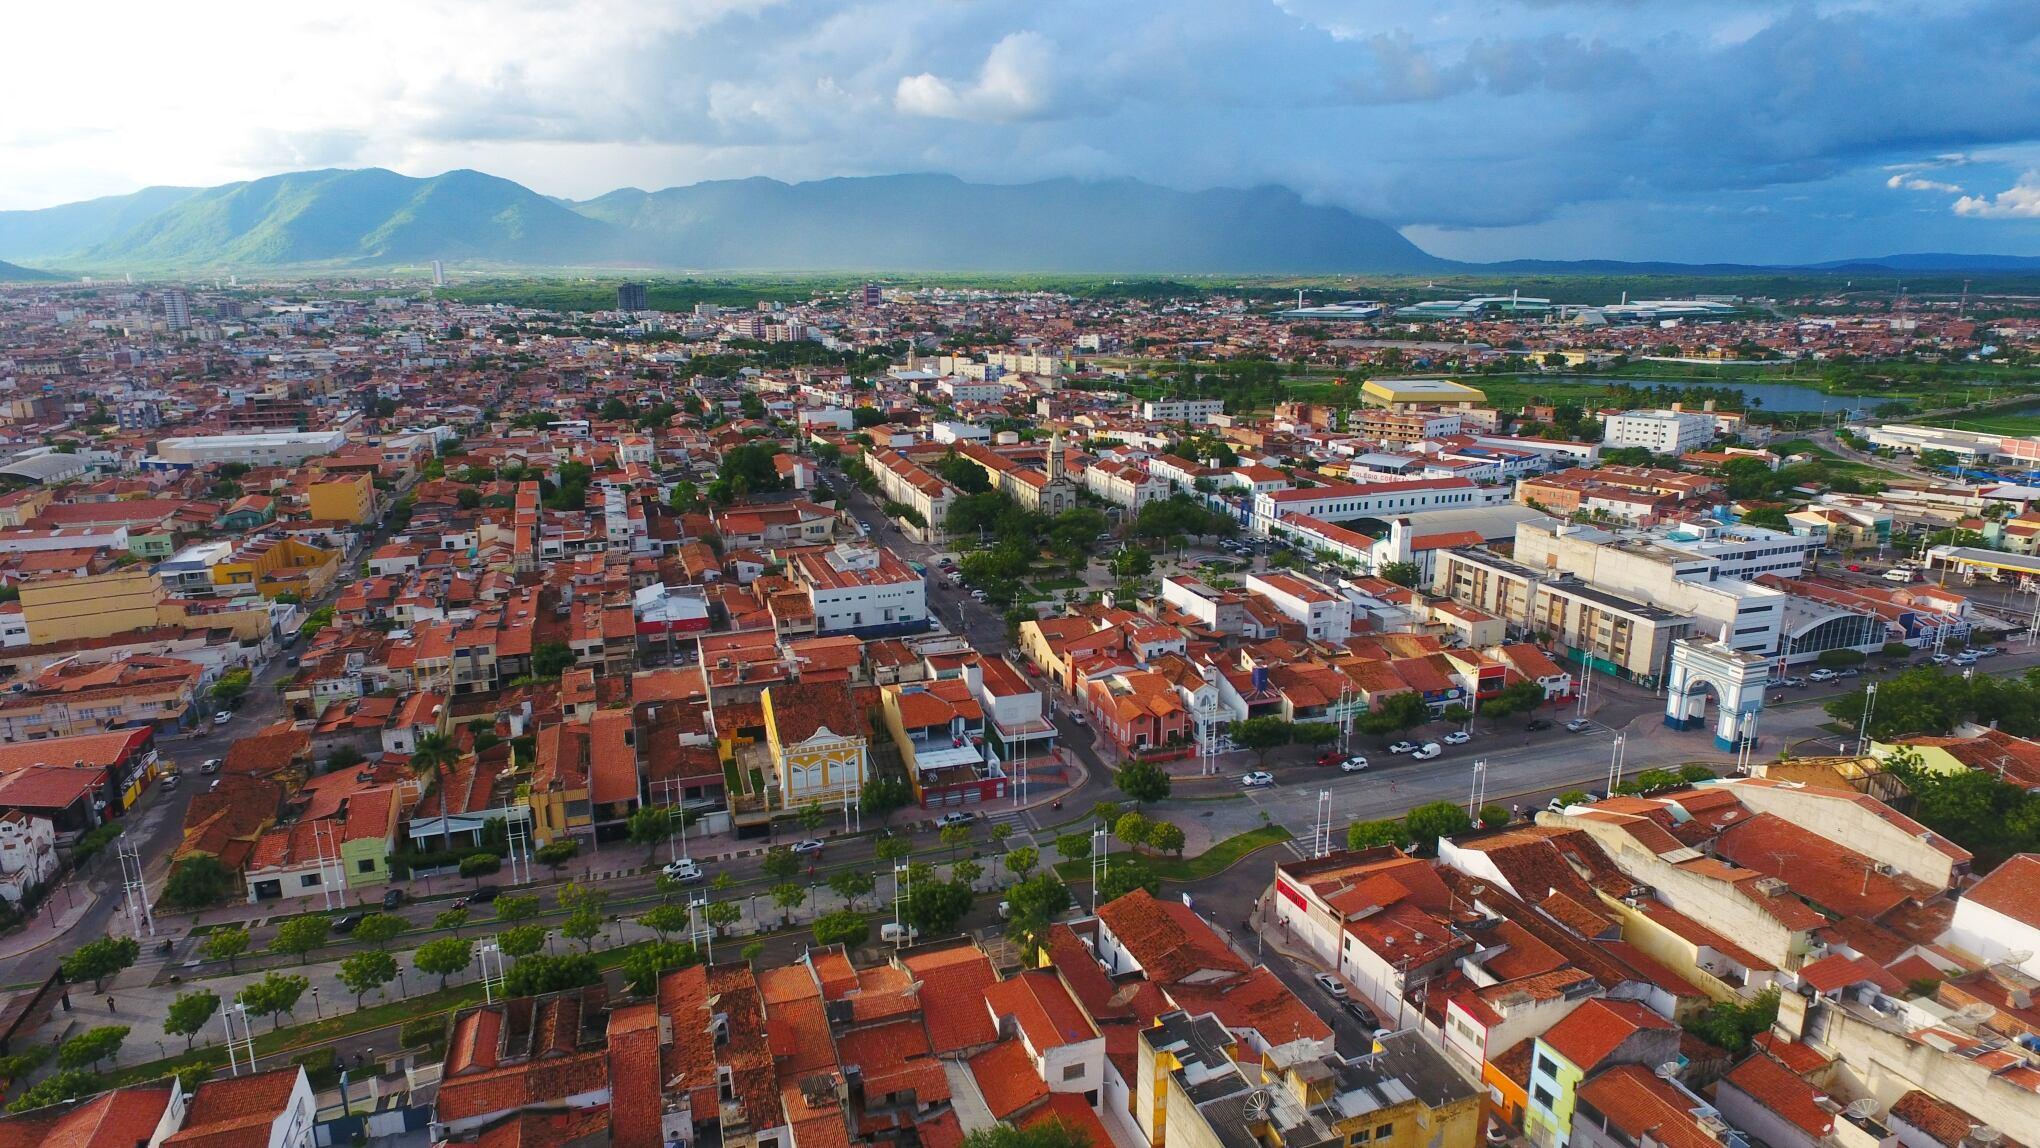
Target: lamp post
[(316, 1014)]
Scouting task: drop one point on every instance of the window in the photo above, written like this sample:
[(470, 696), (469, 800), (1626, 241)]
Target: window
[(1384, 1132), (1546, 1066), (309, 881), (1541, 1097), (365, 865), (1073, 1071)]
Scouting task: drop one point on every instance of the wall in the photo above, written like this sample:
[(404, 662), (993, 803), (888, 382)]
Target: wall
[(1984, 932), (1842, 820), (1889, 1065), (66, 609)]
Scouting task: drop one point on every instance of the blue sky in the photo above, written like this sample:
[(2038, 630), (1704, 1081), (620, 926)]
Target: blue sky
[(1694, 130)]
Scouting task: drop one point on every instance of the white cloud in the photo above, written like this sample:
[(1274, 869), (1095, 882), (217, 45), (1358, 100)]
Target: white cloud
[(1015, 83), (1917, 183), (2019, 201)]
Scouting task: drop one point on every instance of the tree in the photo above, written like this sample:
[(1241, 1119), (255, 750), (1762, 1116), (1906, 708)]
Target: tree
[(810, 816), (476, 866), (1313, 732), (1261, 735), (1770, 517), (1132, 828), (1125, 876), (1917, 701), (551, 659), (190, 1012), (1368, 834), (1032, 905), (55, 1089), (1166, 837), (649, 826), (432, 753), (1427, 823), (1401, 573), (752, 952), (198, 882), (893, 850), (788, 896), (935, 907), (444, 957), (93, 1045), (511, 910), (274, 995), (225, 944), (1073, 846), (583, 925), (522, 940), (1840, 659), (954, 837), (97, 960), (1022, 860), (664, 919), (883, 794), (363, 972), (851, 884), (966, 871), (301, 936), (540, 974), (1494, 816), (1132, 563), (1731, 1025), (1457, 714), (643, 965), (555, 854), (1142, 781), (1515, 698), (1396, 713), (451, 919), (780, 863), (722, 914), (842, 928)]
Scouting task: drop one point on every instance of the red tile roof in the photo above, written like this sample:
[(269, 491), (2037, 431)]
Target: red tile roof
[(1774, 1086), (952, 996), (2013, 889), (1597, 1028), (1006, 1079), (1044, 1010)]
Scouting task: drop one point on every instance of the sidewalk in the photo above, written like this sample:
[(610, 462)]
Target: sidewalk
[(60, 912)]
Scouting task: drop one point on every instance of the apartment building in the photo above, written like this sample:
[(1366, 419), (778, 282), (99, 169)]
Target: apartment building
[(1324, 615), (861, 589), (1337, 502), (1662, 432), (1197, 411)]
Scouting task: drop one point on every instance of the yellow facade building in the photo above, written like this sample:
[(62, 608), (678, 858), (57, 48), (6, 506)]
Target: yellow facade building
[(1400, 394), (96, 606), (343, 498), (275, 566)]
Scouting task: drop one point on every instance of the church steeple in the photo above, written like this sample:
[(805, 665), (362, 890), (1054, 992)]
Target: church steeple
[(1055, 455)]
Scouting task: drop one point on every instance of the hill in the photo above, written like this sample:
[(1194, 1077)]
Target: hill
[(9, 273), (373, 218)]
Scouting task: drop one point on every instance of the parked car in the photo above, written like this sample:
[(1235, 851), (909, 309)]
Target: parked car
[(481, 896), (170, 781), (1792, 681), (1330, 984), (808, 845), (1403, 747), (1353, 764), (223, 717), (1328, 757), (212, 765), (1577, 724), (1966, 658), (345, 923), (1457, 737), (1536, 724), (1363, 1014), (1257, 779), (1939, 659), (1426, 751), (1821, 675), (890, 932), (682, 869), (392, 898), (1989, 651), (1856, 566), (1849, 673), (957, 818)]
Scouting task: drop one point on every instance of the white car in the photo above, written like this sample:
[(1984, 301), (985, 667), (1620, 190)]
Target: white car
[(682, 869), (1457, 737), (1330, 984), (1427, 751), (1578, 724), (1403, 747), (891, 932), (1353, 764), (1257, 779), (949, 819), (1822, 675), (223, 717), (808, 846), (212, 765)]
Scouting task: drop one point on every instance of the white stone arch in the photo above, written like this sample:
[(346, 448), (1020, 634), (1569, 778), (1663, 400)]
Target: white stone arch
[(1735, 680)]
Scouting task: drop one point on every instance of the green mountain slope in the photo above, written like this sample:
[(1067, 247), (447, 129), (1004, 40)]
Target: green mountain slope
[(53, 233), (9, 273)]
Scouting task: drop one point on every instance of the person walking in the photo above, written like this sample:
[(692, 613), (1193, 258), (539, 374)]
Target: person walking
[(109, 1006)]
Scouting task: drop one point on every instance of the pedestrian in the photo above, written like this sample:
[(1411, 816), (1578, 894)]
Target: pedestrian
[(109, 1005)]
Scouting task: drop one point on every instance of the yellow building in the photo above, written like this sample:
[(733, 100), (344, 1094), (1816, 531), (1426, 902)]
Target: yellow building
[(815, 736), (1403, 1094), (1396, 394), (277, 565), (69, 609), (345, 498)]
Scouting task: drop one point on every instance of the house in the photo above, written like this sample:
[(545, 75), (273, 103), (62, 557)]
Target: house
[(1597, 1034), (1999, 916), (939, 729), (816, 743), (28, 853), (272, 1109)]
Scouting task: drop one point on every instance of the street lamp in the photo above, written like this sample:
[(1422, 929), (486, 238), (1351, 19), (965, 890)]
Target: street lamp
[(316, 1014)]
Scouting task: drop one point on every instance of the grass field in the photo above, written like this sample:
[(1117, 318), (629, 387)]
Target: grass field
[(2011, 424), (1834, 463), (1209, 863)]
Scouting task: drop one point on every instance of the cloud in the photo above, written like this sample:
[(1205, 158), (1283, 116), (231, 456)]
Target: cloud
[(1015, 83), (1917, 183), (2019, 201)]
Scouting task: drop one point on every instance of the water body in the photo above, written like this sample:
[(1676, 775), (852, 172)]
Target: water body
[(1776, 396)]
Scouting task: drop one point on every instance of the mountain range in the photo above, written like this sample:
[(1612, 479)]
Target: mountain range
[(377, 218), (342, 220)]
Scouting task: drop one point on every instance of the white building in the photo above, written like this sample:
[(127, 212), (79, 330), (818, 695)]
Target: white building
[(282, 448), (1181, 410), (28, 853), (1124, 484), (860, 587), (967, 390), (1372, 499), (1660, 432), (2000, 915), (955, 432), (1324, 616)]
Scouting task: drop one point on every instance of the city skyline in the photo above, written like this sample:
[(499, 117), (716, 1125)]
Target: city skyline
[(1741, 132)]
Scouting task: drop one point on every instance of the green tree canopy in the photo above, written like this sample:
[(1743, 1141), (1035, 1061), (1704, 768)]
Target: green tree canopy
[(1427, 823), (98, 959), (190, 1012), (540, 974), (1143, 781), (444, 957)]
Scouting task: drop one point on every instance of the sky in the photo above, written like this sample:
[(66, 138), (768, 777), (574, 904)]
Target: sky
[(1690, 130)]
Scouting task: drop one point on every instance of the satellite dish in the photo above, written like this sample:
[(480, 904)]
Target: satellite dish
[(1985, 1134), (1668, 1069), (1860, 1109), (2015, 957)]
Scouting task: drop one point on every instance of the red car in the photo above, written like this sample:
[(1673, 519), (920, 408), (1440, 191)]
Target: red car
[(1329, 757), (1853, 566)]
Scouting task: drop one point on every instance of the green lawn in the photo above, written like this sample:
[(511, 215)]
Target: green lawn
[(1209, 863), (2010, 424)]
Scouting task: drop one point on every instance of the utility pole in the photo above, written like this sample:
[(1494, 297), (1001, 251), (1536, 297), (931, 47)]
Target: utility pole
[(135, 887), (1863, 727), (1321, 825), (1478, 795)]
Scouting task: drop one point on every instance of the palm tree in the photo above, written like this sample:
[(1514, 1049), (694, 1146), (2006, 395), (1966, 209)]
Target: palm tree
[(435, 751)]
